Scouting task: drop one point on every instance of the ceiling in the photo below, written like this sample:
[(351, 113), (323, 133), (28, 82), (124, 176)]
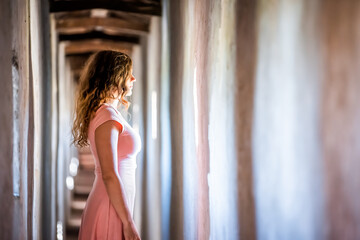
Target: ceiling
[(92, 25)]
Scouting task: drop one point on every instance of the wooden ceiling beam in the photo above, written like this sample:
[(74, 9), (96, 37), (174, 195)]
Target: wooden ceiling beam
[(77, 62), (88, 46), (135, 7), (79, 25), (99, 35)]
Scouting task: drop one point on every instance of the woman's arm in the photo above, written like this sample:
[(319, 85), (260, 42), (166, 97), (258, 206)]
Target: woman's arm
[(106, 140)]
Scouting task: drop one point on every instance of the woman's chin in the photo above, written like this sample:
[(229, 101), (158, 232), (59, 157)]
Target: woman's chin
[(129, 93)]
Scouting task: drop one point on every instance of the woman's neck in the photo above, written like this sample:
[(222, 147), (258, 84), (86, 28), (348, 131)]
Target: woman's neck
[(113, 102)]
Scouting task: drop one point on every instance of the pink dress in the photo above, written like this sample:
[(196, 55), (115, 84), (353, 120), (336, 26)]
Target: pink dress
[(99, 219)]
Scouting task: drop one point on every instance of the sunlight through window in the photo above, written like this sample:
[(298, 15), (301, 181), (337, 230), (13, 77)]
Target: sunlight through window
[(73, 166), (59, 230), (70, 182)]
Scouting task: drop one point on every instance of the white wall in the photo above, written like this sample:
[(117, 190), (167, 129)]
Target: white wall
[(286, 149)]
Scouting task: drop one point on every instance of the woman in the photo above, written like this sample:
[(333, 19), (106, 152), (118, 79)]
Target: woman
[(106, 79)]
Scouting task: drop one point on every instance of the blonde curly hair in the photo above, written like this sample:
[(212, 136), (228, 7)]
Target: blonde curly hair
[(104, 73)]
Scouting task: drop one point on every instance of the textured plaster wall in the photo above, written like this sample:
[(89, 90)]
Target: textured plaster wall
[(62, 157), (52, 170), (137, 109), (6, 118), (222, 177), (340, 117), (246, 51), (288, 172), (164, 118), (22, 126), (66, 94), (146, 62), (151, 185), (36, 77), (306, 134), (199, 43), (267, 146), (176, 64), (21, 116)]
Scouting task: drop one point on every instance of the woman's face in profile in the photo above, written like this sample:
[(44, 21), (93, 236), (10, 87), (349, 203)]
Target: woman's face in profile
[(130, 84)]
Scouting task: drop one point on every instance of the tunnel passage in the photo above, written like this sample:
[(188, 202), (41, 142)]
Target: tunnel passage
[(247, 110)]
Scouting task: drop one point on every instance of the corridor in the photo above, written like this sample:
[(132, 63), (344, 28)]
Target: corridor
[(248, 113)]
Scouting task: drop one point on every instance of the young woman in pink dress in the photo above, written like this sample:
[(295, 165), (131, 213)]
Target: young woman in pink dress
[(106, 79)]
